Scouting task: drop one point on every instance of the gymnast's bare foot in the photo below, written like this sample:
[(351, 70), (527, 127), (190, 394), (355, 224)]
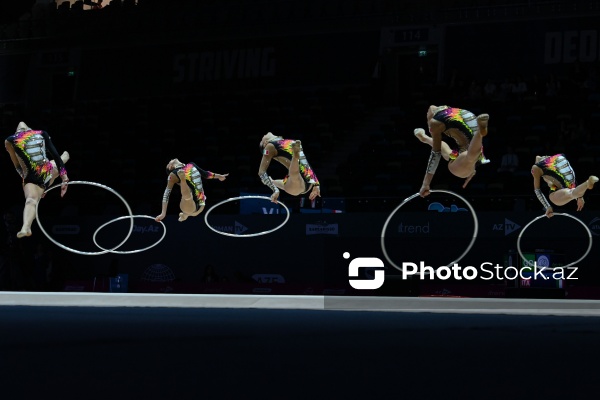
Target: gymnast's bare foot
[(182, 217), (591, 181), (296, 146), (420, 134), (482, 123), (181, 175), (24, 233), (469, 179)]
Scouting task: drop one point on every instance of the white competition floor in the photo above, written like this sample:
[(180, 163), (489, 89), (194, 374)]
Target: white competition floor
[(292, 302)]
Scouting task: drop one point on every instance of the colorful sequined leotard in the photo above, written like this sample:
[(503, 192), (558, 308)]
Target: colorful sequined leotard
[(284, 149), (463, 121), (35, 167), (559, 168), (193, 178)]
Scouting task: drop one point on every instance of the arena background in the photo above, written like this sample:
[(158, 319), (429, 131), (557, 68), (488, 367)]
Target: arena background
[(128, 87), (124, 91)]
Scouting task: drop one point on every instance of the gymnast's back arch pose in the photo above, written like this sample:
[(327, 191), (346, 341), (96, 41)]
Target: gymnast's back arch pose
[(557, 172), (300, 178), (466, 129), (28, 150), (189, 178)]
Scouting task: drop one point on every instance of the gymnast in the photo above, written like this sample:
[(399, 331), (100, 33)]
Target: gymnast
[(27, 149), (300, 178), (466, 129), (559, 175), (189, 178)]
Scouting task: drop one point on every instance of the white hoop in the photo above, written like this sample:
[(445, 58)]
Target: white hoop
[(564, 215), (130, 251), (287, 217), (475, 228), (87, 253)]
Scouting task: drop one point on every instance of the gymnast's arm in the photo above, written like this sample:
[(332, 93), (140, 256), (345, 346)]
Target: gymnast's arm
[(55, 156), (316, 190), (62, 171), (268, 153), (537, 175), (436, 129), (171, 180), (211, 175)]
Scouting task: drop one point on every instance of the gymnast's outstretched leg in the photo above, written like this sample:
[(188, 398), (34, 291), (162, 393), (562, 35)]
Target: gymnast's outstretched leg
[(474, 150), (563, 196), (187, 204), (294, 183), (33, 195)]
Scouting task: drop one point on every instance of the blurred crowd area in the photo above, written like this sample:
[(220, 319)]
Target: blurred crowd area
[(43, 18)]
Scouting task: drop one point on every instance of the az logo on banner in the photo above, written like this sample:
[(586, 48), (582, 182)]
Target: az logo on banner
[(508, 227)]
